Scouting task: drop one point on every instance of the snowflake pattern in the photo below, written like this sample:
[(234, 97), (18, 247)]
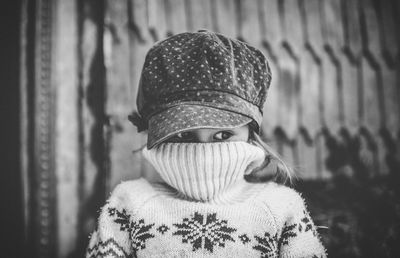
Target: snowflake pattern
[(267, 245), (204, 231), (288, 232), (244, 238), (106, 248), (121, 218), (307, 224), (163, 229), (138, 230)]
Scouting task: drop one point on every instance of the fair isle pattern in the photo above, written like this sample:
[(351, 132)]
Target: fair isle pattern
[(109, 248), (267, 245), (187, 229), (138, 230), (204, 231)]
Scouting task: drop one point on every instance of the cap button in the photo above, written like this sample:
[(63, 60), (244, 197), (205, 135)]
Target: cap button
[(203, 30)]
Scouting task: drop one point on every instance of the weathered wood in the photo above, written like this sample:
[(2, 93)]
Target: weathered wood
[(372, 113), (139, 19), (293, 26), (136, 60), (288, 93), (92, 87), (310, 95), (271, 24), (332, 95), (249, 22), (67, 127), (121, 95), (372, 35), (351, 83), (271, 107), (116, 48), (322, 154), (390, 32), (289, 153), (226, 20), (313, 28), (157, 19), (352, 28), (368, 156), (308, 162), (199, 15), (391, 95), (44, 205), (382, 153), (332, 25), (176, 16)]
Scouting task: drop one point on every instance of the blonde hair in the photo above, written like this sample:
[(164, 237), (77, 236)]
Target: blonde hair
[(273, 168)]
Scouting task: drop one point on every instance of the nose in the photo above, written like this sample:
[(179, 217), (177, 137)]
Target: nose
[(204, 136)]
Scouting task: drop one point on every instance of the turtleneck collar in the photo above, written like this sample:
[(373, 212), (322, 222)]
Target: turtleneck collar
[(205, 171)]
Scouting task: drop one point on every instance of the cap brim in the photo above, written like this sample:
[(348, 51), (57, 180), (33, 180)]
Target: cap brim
[(182, 118)]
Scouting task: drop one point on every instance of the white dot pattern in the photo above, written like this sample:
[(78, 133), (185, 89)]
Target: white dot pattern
[(203, 68), (180, 118)]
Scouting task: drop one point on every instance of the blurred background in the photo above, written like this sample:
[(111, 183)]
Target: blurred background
[(69, 76)]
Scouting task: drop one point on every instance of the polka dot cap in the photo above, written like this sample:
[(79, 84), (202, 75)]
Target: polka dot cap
[(191, 75), (181, 118)]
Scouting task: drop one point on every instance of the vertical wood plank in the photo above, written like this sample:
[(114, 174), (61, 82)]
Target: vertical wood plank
[(67, 127), (352, 28), (288, 93), (312, 18), (373, 37), (310, 104), (92, 83), (307, 167), (139, 19), (199, 15), (176, 16), (293, 25), (121, 135), (390, 33), (332, 25), (44, 218), (226, 18), (372, 115), (249, 22), (271, 24), (157, 19), (271, 107), (391, 100), (289, 155), (331, 95), (322, 155), (351, 98)]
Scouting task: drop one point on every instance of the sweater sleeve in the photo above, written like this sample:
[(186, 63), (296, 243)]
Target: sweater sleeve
[(111, 238), (299, 236)]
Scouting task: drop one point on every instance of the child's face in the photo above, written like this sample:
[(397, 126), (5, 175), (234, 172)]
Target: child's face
[(204, 135)]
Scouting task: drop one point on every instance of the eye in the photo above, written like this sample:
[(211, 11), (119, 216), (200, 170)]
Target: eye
[(182, 137), (223, 135)]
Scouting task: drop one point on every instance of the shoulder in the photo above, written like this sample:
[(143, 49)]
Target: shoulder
[(132, 193), (282, 201), (280, 194)]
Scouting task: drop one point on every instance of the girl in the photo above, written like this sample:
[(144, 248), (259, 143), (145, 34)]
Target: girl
[(201, 97)]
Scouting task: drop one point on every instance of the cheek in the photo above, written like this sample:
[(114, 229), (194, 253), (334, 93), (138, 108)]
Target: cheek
[(241, 136)]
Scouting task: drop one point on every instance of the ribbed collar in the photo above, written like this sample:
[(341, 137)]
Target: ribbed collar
[(205, 171)]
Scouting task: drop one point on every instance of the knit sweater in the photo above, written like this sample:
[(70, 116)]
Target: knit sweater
[(222, 218)]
